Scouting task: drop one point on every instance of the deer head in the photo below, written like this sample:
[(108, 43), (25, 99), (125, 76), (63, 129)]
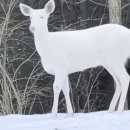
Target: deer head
[(38, 17)]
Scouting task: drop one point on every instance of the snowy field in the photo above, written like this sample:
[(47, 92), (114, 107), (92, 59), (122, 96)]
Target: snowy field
[(91, 121)]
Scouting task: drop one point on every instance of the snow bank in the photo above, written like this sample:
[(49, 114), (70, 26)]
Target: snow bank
[(89, 121)]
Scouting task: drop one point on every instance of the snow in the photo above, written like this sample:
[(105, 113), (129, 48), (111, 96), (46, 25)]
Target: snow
[(80, 121)]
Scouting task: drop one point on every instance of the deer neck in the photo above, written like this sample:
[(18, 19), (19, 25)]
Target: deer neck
[(41, 41)]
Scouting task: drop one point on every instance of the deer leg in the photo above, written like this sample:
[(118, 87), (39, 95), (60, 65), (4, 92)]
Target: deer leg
[(58, 84), (116, 95), (117, 92), (124, 78), (56, 90), (121, 78), (66, 91)]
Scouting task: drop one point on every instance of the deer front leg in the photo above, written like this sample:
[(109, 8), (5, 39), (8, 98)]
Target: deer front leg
[(57, 86), (61, 83), (56, 90), (66, 91)]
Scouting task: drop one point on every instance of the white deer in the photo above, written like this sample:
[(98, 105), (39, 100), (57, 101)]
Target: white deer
[(63, 53)]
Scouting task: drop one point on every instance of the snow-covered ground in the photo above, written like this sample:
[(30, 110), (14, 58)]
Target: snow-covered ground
[(90, 121)]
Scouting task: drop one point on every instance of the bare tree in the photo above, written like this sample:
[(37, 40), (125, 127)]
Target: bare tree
[(114, 11)]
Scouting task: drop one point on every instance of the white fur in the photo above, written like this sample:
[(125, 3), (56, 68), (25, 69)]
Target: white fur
[(63, 53)]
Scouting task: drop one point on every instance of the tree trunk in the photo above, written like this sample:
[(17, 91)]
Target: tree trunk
[(115, 11)]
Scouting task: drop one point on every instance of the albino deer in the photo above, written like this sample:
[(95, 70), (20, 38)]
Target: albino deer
[(63, 53)]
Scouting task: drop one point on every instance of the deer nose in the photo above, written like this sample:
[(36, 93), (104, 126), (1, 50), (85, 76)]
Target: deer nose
[(32, 28)]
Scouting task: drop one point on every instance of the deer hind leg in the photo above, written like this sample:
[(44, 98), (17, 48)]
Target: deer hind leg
[(124, 79), (116, 95), (66, 91), (121, 78), (117, 92)]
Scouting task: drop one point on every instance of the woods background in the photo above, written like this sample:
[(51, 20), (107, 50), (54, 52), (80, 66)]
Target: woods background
[(25, 87)]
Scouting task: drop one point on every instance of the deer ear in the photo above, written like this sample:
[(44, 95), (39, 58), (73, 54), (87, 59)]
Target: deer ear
[(26, 10), (50, 6)]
